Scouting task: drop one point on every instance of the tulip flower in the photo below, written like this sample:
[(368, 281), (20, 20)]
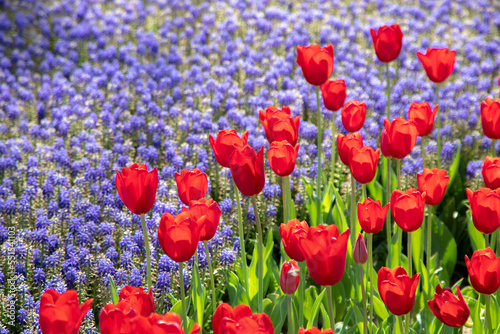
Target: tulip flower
[(289, 277), (407, 209), (353, 115), (212, 212), (397, 289), (387, 41), (484, 271), (240, 320), (449, 309), (485, 207), (372, 215), (281, 157), (280, 125), (334, 94), (490, 118), (423, 116), (438, 63), (62, 313), (143, 303), (247, 169), (225, 144), (491, 172), (363, 163), (290, 234), (384, 144), (137, 188), (116, 318), (401, 136), (360, 254), (325, 253), (191, 185), (345, 143), (169, 323), (179, 236), (314, 330), (316, 63), (433, 182)]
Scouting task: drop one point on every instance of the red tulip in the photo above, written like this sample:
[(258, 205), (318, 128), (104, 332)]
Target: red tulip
[(372, 215), (384, 144), (226, 311), (484, 271), (485, 207), (116, 318), (433, 182), (291, 233), (316, 63), (345, 143), (282, 156), (325, 253), (280, 125), (407, 209), (450, 310), (438, 63), (359, 253), (423, 116), (401, 136), (314, 330), (240, 320), (491, 172), (289, 277), (179, 236), (387, 42), (143, 303), (225, 144), (334, 94), (210, 209), (247, 169), (191, 185), (137, 188), (490, 118), (169, 323), (353, 115), (61, 313), (363, 163), (397, 289)]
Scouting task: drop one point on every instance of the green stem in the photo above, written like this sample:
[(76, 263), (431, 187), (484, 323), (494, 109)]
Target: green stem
[(286, 217), (370, 268), (146, 246), (488, 324), (388, 228), (399, 230), (493, 151), (320, 135), (398, 171), (353, 212), (183, 297), (400, 322), (290, 315), (212, 281), (388, 94), (429, 243), (439, 129), (260, 266), (334, 150), (365, 313), (363, 191), (486, 240), (407, 331), (244, 267), (422, 145), (303, 267), (330, 308)]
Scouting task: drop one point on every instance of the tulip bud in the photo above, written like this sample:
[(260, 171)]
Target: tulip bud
[(290, 276), (360, 254)]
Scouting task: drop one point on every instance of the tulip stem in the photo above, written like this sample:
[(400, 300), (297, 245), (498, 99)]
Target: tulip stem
[(429, 244), (363, 191), (212, 283), (334, 151), (260, 266), (398, 171), (303, 267), (290, 315), (487, 240), (370, 268), (398, 229), (493, 150), (388, 94), (146, 246), (400, 322), (244, 267), (439, 129), (407, 330), (353, 211), (365, 313), (488, 323), (330, 307), (422, 149), (286, 216), (320, 135), (408, 251), (388, 216), (183, 297)]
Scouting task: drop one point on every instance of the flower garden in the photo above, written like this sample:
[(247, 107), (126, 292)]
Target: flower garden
[(260, 166)]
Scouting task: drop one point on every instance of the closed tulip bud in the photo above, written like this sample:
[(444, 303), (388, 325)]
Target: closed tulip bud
[(372, 215), (490, 118), (401, 136), (397, 289), (353, 115), (143, 303), (485, 207), (209, 209), (384, 144), (247, 169), (407, 209), (387, 41), (291, 233), (280, 125), (179, 236), (334, 94), (359, 252), (433, 182), (491, 172), (191, 185), (449, 309), (363, 163), (316, 63), (281, 157), (484, 271), (423, 116), (137, 188), (438, 63), (116, 318), (169, 323), (225, 144), (314, 330), (289, 277), (345, 143)]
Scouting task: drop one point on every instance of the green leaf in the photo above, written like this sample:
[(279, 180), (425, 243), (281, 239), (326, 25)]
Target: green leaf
[(379, 308), (444, 244), (454, 168), (338, 213), (375, 189), (476, 237), (311, 204), (395, 251), (477, 328), (315, 309), (310, 297), (198, 295), (417, 247), (237, 293), (279, 313), (254, 280), (114, 293)]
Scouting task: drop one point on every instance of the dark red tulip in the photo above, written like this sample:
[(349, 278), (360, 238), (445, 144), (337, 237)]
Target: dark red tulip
[(325, 253), (316, 63), (291, 233), (353, 115), (433, 182), (490, 118), (281, 157), (438, 63), (397, 289), (116, 318), (485, 207), (484, 271), (359, 253), (137, 188), (384, 144), (449, 309), (345, 143), (240, 320), (387, 42), (334, 94), (314, 330), (289, 277), (247, 169), (143, 303), (280, 125), (407, 209), (210, 209), (169, 323), (179, 236), (62, 313), (192, 185), (401, 136), (225, 144), (491, 172), (372, 215), (423, 116), (363, 163)]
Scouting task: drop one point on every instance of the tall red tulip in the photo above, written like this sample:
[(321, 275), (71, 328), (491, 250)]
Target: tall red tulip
[(372, 215), (225, 144), (449, 309), (143, 303), (116, 318), (289, 277), (438, 63), (282, 156), (61, 313), (490, 118), (345, 143), (433, 182), (384, 144), (247, 169), (191, 185), (387, 41), (334, 94), (212, 212), (363, 163), (179, 235), (280, 125), (353, 115), (359, 252), (491, 172), (314, 330), (484, 271), (240, 320), (485, 207), (397, 289), (169, 323), (291, 233), (137, 187), (407, 209), (401, 136), (316, 63), (423, 116)]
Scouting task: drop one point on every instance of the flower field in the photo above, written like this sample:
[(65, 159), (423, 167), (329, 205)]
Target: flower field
[(230, 166)]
